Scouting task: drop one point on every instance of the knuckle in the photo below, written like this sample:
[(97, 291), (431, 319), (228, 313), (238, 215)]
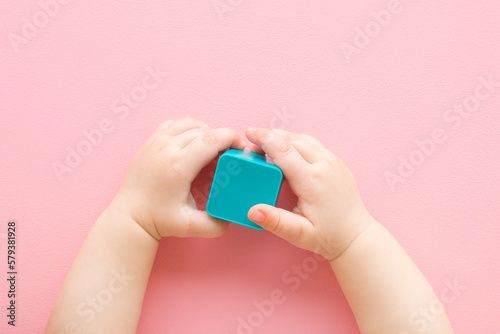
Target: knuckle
[(164, 125), (322, 167), (277, 226), (300, 140), (314, 181), (300, 235), (294, 136), (316, 175), (333, 161), (268, 135), (177, 167), (174, 160), (209, 136), (286, 148)]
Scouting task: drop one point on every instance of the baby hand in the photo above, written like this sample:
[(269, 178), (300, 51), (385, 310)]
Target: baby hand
[(156, 191), (329, 213)]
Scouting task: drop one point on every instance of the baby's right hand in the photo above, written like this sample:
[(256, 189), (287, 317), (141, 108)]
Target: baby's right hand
[(330, 213)]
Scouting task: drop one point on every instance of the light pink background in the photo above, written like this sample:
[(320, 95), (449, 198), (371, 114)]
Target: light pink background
[(243, 69)]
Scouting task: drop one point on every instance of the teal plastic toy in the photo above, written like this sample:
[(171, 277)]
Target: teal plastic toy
[(242, 179)]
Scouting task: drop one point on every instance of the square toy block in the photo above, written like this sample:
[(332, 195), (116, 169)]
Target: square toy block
[(242, 179)]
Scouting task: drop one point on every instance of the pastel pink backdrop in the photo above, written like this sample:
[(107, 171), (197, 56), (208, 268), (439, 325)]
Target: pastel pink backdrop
[(246, 67)]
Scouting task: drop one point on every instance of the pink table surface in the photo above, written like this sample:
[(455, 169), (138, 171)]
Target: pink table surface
[(370, 79)]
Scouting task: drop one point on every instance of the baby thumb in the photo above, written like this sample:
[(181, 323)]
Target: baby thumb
[(283, 223)]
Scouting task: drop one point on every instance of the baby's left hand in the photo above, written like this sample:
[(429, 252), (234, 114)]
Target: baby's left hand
[(156, 191)]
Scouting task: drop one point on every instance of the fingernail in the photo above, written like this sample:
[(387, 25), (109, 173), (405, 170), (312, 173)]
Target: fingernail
[(251, 129), (258, 216)]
